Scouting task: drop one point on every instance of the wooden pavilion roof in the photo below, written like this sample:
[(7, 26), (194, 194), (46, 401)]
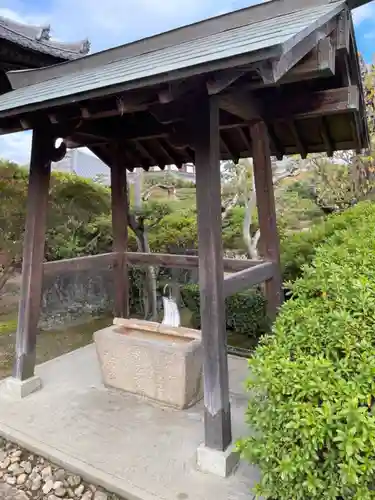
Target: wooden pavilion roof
[(294, 67)]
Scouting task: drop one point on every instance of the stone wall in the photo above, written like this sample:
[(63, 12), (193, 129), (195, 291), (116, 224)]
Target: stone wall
[(72, 297)]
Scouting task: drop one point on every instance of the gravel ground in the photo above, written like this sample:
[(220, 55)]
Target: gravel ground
[(25, 476)]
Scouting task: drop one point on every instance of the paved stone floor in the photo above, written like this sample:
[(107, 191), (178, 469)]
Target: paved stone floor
[(123, 443)]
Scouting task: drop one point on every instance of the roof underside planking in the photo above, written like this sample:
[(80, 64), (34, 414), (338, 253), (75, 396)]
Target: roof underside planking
[(294, 68)]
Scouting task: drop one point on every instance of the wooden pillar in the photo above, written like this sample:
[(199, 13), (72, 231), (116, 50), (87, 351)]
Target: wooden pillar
[(33, 254), (269, 240), (120, 235), (211, 275)]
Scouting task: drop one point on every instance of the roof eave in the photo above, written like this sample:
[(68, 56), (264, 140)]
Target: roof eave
[(189, 72)]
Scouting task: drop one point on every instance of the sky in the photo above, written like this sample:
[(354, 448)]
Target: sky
[(113, 22)]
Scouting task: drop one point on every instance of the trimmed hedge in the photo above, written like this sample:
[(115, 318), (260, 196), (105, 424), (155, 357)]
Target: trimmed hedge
[(299, 249), (312, 383), (245, 312)]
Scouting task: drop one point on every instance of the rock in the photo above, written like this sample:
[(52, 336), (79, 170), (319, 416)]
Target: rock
[(16, 454), (36, 484), (31, 458), (28, 484), (59, 475), (41, 460), (79, 491), (74, 480), (3, 456), (60, 492), (21, 479), (57, 484), (26, 466), (46, 472), (100, 495), (14, 460), (14, 468), (1, 474), (48, 487), (53, 497), (87, 495), (5, 464), (35, 475), (93, 488), (11, 480), (70, 492), (9, 493)]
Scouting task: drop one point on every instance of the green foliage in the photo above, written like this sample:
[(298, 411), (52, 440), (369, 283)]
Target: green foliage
[(75, 204), (312, 382), (295, 209), (168, 179), (299, 249), (12, 209), (245, 312), (9, 326), (177, 230)]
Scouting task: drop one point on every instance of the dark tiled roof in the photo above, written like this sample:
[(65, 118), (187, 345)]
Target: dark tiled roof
[(38, 39)]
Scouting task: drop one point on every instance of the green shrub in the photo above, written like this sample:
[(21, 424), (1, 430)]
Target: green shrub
[(245, 312), (300, 248), (312, 383)]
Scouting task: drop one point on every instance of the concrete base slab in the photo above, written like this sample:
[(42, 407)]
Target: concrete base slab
[(18, 389), (131, 447), (220, 463)]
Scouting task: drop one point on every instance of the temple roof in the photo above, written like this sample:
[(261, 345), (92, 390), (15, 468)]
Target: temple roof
[(38, 39), (267, 38), (292, 64)]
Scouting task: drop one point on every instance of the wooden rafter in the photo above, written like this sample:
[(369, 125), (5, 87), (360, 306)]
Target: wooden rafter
[(297, 138), (326, 137)]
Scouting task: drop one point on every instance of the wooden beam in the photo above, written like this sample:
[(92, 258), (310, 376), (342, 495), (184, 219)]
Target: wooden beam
[(229, 149), (285, 106), (33, 254), (295, 49), (297, 139), (184, 261), (243, 280), (269, 240), (319, 63), (218, 434), (328, 144), (277, 146), (78, 264), (106, 260), (241, 104), (220, 81), (343, 32), (119, 197), (168, 159), (143, 150)]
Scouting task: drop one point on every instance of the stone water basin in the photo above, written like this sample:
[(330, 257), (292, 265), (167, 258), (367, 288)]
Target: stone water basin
[(158, 362)]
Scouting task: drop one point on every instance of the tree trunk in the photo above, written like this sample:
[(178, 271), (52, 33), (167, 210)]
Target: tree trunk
[(150, 297)]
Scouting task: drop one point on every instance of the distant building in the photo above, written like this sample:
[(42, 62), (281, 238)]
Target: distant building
[(84, 165), (89, 166)]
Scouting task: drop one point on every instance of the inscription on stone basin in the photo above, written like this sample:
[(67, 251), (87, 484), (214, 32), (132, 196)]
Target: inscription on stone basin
[(155, 361)]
